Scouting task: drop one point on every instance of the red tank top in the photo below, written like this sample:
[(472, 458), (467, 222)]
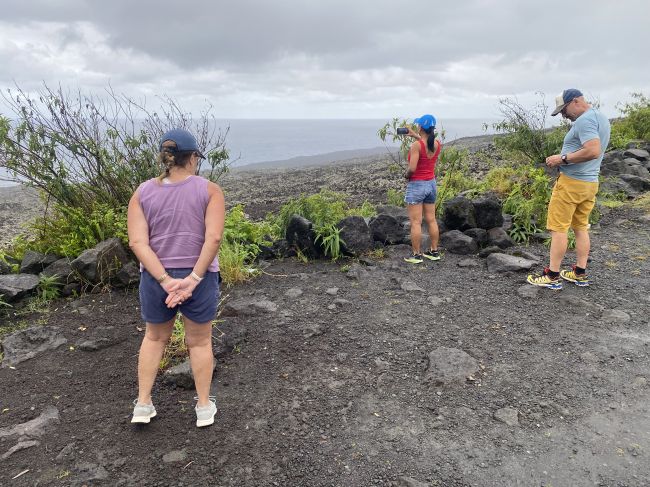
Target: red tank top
[(425, 170)]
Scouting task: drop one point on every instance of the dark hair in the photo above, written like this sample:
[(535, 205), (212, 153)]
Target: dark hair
[(169, 157), (431, 138)]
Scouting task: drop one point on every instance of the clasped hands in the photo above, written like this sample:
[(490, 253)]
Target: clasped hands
[(178, 290)]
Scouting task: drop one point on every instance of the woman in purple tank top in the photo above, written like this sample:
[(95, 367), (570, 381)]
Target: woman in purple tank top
[(175, 225)]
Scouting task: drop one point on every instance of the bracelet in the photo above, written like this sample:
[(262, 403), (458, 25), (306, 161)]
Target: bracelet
[(163, 277), (195, 276)]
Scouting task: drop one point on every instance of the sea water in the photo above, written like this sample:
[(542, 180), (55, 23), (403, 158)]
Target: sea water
[(251, 141), (254, 141)]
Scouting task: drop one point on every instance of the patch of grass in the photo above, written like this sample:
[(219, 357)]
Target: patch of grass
[(330, 238), (12, 327), (612, 203), (395, 197), (642, 202), (302, 257), (176, 350), (234, 264), (379, 253)]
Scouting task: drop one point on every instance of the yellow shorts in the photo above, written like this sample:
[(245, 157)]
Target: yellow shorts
[(571, 203)]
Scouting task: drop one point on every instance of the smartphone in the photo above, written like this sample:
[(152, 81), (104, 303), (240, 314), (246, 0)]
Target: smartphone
[(402, 131)]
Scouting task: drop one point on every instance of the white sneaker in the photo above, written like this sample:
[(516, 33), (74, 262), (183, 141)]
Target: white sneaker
[(205, 414), (142, 413)]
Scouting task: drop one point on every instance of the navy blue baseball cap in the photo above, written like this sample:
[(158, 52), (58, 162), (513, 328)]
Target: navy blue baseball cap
[(426, 121), (185, 141), (563, 99)]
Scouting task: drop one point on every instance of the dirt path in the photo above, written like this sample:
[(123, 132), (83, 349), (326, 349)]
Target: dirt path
[(334, 387)]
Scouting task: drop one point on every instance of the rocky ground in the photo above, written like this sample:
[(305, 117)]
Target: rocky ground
[(357, 373)]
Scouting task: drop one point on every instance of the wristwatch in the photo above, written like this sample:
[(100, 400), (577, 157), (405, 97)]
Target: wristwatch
[(564, 161)]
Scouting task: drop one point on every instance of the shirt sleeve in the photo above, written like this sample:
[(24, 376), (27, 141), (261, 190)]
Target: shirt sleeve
[(588, 129)]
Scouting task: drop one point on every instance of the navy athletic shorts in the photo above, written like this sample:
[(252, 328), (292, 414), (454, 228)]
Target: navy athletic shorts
[(200, 308)]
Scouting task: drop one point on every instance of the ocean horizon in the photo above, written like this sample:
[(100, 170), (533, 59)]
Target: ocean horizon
[(252, 141), (255, 141)]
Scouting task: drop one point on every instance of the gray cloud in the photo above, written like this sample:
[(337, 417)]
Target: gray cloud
[(292, 58)]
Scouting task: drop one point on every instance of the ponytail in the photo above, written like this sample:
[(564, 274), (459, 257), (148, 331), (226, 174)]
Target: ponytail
[(431, 138), (169, 157)]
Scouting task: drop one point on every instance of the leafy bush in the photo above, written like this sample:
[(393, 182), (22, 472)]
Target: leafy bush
[(324, 210), (70, 230), (366, 210), (242, 239), (527, 202), (81, 150), (238, 229), (395, 197), (453, 176), (499, 180), (48, 288), (634, 125)]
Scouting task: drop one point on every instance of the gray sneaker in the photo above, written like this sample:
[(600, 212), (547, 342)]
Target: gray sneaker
[(205, 414), (142, 413)]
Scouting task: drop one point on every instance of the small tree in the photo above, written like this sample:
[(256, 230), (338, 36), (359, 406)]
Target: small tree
[(525, 130), (82, 150)]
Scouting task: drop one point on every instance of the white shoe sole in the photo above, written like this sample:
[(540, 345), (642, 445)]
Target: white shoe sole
[(143, 419), (201, 423)]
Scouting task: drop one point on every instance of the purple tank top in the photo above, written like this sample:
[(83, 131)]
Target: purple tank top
[(175, 214)]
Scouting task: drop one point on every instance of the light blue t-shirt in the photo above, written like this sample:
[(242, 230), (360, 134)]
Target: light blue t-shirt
[(590, 125)]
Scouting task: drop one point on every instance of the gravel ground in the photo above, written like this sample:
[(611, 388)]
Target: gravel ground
[(338, 385)]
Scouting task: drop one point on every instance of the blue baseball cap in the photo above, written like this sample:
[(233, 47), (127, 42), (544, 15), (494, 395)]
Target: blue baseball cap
[(185, 141), (564, 98), (426, 121)]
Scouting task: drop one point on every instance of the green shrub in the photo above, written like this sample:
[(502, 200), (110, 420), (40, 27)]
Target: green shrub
[(48, 288), (453, 175), (70, 231), (499, 180), (395, 197), (366, 210), (635, 123), (241, 243), (527, 202), (324, 210)]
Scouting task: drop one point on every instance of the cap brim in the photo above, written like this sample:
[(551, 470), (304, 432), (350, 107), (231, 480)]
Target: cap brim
[(558, 109)]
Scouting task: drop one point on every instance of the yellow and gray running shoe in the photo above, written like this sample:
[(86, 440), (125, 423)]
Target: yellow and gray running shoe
[(431, 255), (414, 259), (578, 279), (545, 280)]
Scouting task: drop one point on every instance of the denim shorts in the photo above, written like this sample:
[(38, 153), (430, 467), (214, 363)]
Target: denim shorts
[(418, 192), (200, 308)]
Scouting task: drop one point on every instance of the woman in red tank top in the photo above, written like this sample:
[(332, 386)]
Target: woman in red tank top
[(421, 189)]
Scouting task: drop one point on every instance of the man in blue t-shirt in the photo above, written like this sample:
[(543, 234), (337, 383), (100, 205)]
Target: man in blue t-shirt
[(574, 193)]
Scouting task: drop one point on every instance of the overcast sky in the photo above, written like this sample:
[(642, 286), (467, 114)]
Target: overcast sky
[(331, 58)]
